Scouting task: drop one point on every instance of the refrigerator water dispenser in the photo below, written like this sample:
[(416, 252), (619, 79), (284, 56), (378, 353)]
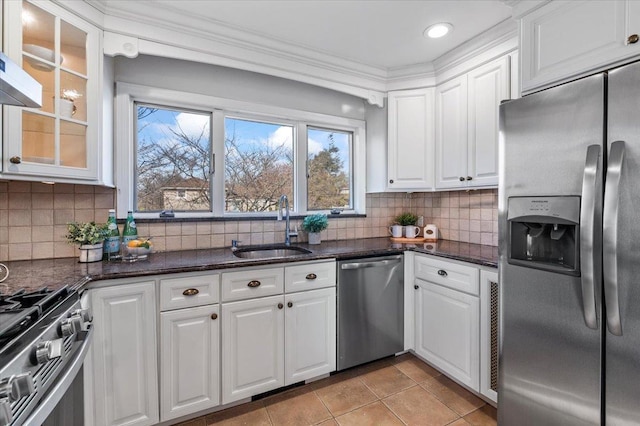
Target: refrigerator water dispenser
[(544, 233)]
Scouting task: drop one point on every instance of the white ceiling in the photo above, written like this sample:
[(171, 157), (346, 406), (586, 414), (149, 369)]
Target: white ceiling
[(384, 34)]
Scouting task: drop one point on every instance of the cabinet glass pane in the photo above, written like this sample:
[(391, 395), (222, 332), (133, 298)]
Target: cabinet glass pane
[(38, 35), (73, 144), (38, 141), (73, 93), (46, 78), (73, 42)]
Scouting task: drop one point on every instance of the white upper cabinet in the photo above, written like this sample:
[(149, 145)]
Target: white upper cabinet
[(563, 40), (411, 141), (451, 133), (61, 141), (487, 86), (467, 126)]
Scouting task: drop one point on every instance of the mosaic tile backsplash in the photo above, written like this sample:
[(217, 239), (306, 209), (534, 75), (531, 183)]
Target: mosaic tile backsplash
[(33, 218)]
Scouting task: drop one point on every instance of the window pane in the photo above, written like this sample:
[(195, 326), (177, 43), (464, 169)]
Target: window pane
[(258, 165), (329, 169), (173, 153)]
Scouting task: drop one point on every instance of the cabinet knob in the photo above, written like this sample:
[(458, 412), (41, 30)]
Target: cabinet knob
[(311, 276), (442, 273), (290, 304), (469, 178), (214, 316), (416, 287), (390, 180), (462, 179), (253, 283), (280, 306), (632, 39), (190, 292), (15, 160)]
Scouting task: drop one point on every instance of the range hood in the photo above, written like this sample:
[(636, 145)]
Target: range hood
[(16, 86)]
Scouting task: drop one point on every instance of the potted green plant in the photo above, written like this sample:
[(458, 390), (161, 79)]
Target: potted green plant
[(90, 237), (408, 222), (314, 224), (406, 218)]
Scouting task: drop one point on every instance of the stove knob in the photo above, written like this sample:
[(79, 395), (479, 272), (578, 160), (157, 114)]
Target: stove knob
[(85, 314), (15, 387), (70, 326), (48, 350)]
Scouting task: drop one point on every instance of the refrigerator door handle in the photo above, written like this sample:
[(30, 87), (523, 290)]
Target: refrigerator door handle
[(610, 237), (590, 238)]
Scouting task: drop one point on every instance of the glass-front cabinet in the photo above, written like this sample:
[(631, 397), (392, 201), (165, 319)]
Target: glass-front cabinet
[(60, 141)]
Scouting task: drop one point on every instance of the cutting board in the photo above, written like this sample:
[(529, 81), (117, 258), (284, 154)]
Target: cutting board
[(410, 240)]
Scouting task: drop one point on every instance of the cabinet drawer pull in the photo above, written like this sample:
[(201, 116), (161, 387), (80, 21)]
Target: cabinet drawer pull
[(442, 273), (214, 316), (461, 178), (15, 160), (469, 178), (280, 306), (290, 304), (253, 283), (416, 287), (311, 276), (190, 292), (632, 39)]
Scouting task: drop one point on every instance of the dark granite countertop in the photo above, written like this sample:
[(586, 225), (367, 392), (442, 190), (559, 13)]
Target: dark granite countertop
[(55, 273)]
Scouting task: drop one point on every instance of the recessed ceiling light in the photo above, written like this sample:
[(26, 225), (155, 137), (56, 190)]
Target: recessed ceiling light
[(438, 30)]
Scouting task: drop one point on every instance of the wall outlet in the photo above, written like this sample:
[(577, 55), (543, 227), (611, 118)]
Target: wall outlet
[(420, 221)]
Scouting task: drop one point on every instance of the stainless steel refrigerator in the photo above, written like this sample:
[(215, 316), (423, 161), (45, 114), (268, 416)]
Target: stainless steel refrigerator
[(569, 224)]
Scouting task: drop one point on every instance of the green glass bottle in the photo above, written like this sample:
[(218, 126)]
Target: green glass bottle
[(130, 231), (112, 242)]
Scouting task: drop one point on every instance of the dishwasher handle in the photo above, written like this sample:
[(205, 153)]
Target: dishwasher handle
[(374, 264)]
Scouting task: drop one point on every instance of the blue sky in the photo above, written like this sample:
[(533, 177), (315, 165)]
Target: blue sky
[(156, 127)]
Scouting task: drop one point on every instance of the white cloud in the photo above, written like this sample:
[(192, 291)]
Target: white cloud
[(282, 136), (314, 147), (192, 124)]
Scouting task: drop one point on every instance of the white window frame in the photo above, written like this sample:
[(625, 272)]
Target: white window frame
[(127, 95)]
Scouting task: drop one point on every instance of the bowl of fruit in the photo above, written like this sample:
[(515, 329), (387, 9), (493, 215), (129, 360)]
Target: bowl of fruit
[(139, 248)]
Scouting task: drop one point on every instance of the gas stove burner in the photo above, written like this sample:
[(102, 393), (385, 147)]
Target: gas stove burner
[(21, 309)]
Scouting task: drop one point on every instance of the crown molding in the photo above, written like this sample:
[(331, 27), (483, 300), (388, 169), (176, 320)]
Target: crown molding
[(190, 36), (500, 39), (519, 8)]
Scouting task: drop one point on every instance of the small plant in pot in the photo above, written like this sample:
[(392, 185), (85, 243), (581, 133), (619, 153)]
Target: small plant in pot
[(314, 224), (90, 237), (408, 222)]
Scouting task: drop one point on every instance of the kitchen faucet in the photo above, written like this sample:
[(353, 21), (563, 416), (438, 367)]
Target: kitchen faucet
[(287, 227)]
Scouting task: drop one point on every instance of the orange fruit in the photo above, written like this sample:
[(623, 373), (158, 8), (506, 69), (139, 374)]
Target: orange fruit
[(134, 243)]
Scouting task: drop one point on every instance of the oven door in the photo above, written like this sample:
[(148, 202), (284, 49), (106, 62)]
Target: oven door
[(64, 402)]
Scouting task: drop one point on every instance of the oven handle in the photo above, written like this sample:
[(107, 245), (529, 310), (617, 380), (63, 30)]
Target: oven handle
[(55, 394)]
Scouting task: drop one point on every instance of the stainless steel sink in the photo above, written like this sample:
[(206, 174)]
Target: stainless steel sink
[(266, 252)]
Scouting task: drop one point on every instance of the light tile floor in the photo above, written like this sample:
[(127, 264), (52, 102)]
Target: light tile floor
[(396, 391)]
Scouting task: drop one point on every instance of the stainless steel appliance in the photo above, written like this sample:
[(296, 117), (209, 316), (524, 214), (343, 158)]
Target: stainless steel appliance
[(569, 260), (17, 87), (370, 309), (44, 337)]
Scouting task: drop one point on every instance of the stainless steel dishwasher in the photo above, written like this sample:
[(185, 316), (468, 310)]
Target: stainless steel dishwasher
[(370, 309)]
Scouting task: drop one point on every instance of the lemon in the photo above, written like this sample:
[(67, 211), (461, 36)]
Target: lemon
[(134, 243)]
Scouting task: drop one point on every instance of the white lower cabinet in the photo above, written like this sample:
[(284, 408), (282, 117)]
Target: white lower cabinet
[(189, 361), (276, 341), (123, 376), (447, 331), (252, 347), (310, 334)]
